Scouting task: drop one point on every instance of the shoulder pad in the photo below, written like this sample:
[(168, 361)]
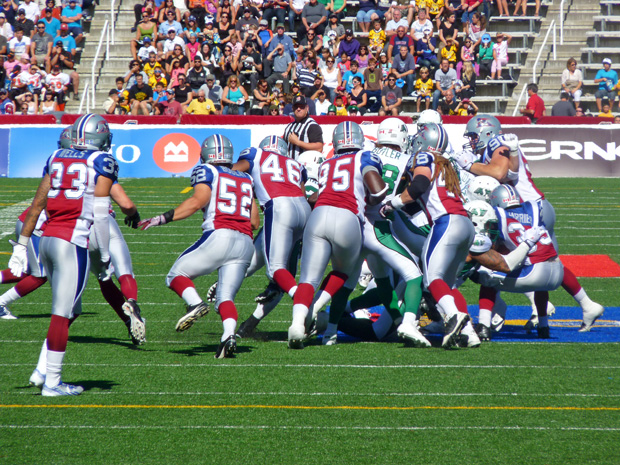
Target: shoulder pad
[(424, 159)]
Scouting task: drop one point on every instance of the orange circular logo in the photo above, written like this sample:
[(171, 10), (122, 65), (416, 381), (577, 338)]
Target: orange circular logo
[(176, 153)]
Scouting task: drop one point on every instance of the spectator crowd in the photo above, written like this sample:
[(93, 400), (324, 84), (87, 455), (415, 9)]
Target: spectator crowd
[(38, 46)]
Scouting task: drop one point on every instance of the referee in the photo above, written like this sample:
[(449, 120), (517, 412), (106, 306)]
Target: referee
[(304, 133)]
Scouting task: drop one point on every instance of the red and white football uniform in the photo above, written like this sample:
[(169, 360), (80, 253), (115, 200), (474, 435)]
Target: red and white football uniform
[(57, 81)]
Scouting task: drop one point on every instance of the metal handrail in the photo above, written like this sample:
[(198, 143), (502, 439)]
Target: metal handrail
[(85, 95), (562, 22), (113, 20), (514, 112), (105, 32), (542, 47)]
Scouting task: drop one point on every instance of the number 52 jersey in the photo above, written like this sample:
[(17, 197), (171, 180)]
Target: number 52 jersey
[(73, 176), (231, 198)]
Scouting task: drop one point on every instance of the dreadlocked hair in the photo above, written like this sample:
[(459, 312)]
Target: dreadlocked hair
[(450, 176)]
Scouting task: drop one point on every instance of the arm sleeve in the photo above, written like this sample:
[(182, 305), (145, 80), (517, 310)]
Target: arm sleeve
[(101, 210), (248, 155), (315, 133)]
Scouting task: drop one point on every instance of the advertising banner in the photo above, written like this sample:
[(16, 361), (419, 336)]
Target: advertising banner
[(5, 134)]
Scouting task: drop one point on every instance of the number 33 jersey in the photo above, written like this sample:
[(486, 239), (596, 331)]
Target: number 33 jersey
[(231, 198), (274, 175), (73, 176)]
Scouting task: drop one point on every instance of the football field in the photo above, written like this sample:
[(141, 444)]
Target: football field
[(515, 400)]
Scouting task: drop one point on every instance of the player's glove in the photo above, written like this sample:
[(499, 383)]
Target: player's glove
[(532, 235), (464, 159), (107, 270), (133, 220), (157, 220), (512, 142), (18, 264), (388, 207)]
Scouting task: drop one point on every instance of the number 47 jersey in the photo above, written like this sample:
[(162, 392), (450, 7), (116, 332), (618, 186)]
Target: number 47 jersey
[(70, 200), (274, 175), (231, 198)]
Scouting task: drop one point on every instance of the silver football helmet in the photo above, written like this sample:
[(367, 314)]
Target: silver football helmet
[(311, 160), (65, 138), (431, 137), (274, 144), (429, 116), (483, 217), (393, 131), (480, 188), (505, 196), (217, 150), (348, 136), (91, 132), (480, 130)]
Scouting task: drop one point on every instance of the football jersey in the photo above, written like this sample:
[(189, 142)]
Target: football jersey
[(231, 198), (341, 180), (73, 176), (525, 184), (513, 223), (274, 175), (394, 168), (56, 82), (40, 221), (437, 201)]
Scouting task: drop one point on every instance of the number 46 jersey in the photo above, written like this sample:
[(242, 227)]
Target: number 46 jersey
[(231, 198), (274, 175), (70, 200)]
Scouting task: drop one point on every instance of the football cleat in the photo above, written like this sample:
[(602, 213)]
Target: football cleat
[(212, 293), (412, 336), (296, 336), (193, 313), (470, 341), (330, 338), (270, 293), (227, 348), (483, 332), (543, 332), (590, 313), (5, 314), (531, 324), (37, 379), (136, 324), (454, 326), (246, 329), (499, 315), (318, 325), (62, 389)]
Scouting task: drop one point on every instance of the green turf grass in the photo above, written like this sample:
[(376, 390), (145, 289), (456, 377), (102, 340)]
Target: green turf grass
[(169, 401)]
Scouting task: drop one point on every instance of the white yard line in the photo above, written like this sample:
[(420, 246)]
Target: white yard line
[(8, 217)]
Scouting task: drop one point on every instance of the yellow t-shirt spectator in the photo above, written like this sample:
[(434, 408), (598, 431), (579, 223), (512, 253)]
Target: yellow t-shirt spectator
[(341, 111), (435, 6), (376, 38), (422, 4), (609, 114), (153, 81), (424, 88), (196, 107), (149, 68), (449, 53)]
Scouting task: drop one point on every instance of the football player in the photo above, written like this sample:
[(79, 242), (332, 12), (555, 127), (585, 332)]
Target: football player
[(434, 185), (334, 229), (75, 191), (230, 214), (503, 160)]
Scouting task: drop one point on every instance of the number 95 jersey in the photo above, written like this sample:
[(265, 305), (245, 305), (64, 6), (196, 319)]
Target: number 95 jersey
[(341, 181), (73, 176), (231, 198)]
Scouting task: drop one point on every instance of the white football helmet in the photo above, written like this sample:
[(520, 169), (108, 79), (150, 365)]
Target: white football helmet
[(480, 188), (483, 217), (311, 160), (429, 116), (393, 131)]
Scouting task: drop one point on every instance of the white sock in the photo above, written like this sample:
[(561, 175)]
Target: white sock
[(484, 317), (54, 368), (320, 300), (230, 325), (543, 321), (299, 314), (468, 328), (530, 295), (447, 306), (262, 310), (292, 291), (42, 363), (9, 297), (382, 325), (190, 296), (410, 318), (582, 298)]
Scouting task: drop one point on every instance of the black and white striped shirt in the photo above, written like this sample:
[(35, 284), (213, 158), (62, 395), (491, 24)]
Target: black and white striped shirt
[(307, 130)]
